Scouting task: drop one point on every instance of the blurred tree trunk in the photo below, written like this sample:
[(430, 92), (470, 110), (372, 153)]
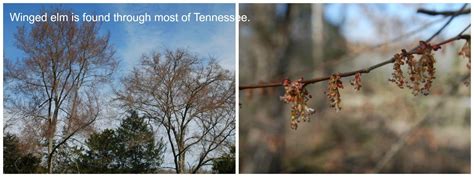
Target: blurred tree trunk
[(318, 54), (272, 52), (317, 32), (280, 125)]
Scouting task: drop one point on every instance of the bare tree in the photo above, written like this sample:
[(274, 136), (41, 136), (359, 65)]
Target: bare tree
[(191, 98), (55, 84)]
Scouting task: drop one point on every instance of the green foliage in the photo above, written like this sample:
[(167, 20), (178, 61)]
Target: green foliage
[(131, 148), (225, 163), (103, 149), (13, 160)]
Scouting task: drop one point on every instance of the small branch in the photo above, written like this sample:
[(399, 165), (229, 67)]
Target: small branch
[(447, 23), (367, 70), (50, 155), (465, 29), (357, 53), (275, 84), (444, 13), (465, 37), (347, 74)]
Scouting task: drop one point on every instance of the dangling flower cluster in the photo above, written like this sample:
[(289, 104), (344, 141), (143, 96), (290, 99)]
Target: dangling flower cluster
[(357, 82), (413, 72), (397, 75), (333, 91), (426, 67), (421, 71), (466, 53), (298, 96)]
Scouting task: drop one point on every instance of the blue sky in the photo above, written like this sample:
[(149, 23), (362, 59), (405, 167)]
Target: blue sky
[(131, 40), (359, 29)]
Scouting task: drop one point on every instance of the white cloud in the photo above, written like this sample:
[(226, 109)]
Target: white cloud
[(143, 39)]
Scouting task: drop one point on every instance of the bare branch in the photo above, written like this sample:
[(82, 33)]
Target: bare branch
[(370, 68), (188, 98), (444, 13), (351, 73)]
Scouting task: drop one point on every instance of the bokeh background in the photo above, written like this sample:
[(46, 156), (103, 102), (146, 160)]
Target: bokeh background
[(381, 128)]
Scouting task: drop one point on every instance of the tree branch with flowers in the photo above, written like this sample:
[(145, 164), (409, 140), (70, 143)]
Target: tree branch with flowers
[(420, 69)]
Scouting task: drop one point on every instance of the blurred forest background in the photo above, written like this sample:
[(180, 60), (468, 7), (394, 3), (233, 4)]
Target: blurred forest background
[(381, 128)]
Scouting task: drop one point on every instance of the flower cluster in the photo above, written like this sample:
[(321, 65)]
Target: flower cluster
[(333, 91), (426, 68), (421, 71), (357, 82), (397, 75), (298, 96)]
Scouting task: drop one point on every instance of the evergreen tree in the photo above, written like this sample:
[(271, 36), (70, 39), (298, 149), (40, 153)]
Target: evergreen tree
[(13, 160), (101, 156), (131, 148), (225, 163), (139, 153)]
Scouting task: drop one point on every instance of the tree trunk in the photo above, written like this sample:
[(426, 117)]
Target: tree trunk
[(50, 148), (182, 155), (181, 163), (51, 132)]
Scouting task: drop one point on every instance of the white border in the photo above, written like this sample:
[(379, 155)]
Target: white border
[(236, 70), (237, 100), (235, 1), (1, 84)]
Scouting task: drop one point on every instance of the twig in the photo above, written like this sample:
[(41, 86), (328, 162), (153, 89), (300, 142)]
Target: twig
[(353, 55), (447, 23), (347, 74), (367, 70), (465, 29), (444, 13)]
